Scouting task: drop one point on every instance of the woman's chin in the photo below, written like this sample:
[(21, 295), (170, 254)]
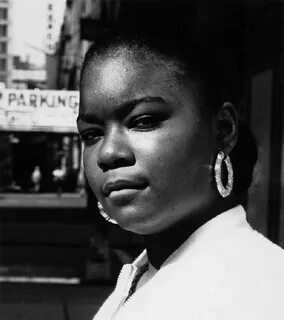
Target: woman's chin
[(139, 225), (141, 219)]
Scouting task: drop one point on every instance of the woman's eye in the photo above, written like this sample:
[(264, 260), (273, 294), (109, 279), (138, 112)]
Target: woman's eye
[(145, 122), (91, 137)]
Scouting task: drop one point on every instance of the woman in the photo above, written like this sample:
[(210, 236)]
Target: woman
[(168, 157)]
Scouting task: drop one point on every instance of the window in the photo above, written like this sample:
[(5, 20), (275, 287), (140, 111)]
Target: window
[(3, 13), (3, 62), (3, 31), (3, 47)]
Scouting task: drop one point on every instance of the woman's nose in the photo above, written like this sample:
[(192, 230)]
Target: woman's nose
[(115, 151)]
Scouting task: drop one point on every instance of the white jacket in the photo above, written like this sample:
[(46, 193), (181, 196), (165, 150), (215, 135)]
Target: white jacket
[(224, 271)]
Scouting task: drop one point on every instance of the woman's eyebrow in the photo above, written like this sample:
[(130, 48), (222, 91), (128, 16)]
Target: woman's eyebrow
[(122, 109), (126, 107)]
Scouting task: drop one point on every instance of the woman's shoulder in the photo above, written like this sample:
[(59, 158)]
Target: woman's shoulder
[(256, 247), (242, 242), (240, 257), (228, 236)]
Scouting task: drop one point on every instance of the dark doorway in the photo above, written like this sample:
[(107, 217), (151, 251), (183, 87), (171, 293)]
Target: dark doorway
[(28, 152)]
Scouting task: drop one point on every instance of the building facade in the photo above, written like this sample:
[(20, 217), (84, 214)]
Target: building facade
[(26, 141), (25, 75), (38, 129), (5, 42), (73, 44)]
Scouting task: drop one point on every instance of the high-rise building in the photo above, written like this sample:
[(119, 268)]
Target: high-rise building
[(81, 26), (5, 31)]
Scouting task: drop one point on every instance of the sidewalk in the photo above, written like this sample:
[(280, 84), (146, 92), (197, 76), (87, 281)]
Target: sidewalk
[(46, 237), (42, 200), (50, 302), (42, 235)]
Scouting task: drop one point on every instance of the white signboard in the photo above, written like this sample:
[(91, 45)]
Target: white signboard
[(38, 110)]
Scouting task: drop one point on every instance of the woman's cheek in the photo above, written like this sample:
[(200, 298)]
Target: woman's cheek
[(86, 156), (150, 145), (90, 167)]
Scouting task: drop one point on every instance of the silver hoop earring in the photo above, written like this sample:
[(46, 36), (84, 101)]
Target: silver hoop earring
[(104, 214), (224, 191)]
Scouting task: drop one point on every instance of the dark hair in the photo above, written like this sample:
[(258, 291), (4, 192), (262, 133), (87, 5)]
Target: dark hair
[(206, 43)]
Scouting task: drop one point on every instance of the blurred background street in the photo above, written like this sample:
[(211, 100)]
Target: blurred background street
[(44, 301), (54, 264), (44, 253), (48, 200)]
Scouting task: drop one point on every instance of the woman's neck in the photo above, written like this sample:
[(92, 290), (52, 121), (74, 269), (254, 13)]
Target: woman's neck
[(161, 245)]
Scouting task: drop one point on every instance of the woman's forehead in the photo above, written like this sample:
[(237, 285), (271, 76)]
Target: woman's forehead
[(113, 75), (133, 59)]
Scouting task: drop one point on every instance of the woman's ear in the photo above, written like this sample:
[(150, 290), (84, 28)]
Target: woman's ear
[(227, 127)]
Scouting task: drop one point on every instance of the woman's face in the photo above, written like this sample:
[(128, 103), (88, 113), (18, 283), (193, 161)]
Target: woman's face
[(147, 150)]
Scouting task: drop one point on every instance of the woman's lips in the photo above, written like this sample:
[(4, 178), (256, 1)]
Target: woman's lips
[(122, 186)]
